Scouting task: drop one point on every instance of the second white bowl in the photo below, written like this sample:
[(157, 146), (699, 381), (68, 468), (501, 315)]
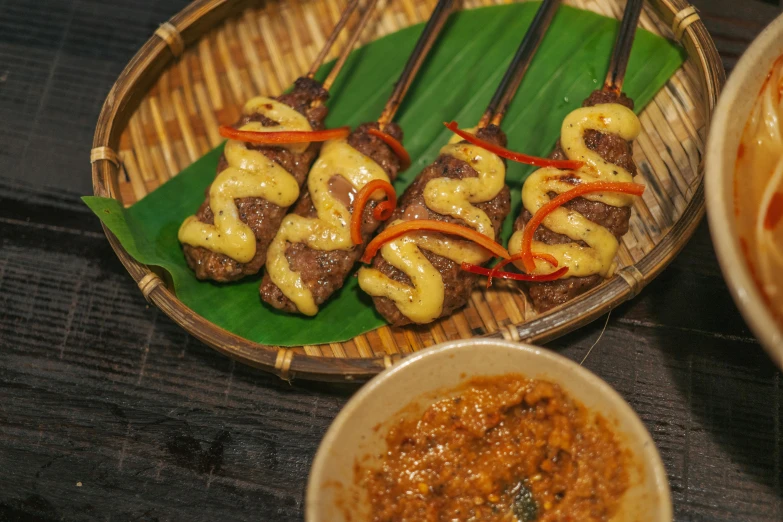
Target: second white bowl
[(726, 129)]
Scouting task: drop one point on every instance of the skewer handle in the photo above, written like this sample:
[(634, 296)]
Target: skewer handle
[(368, 9), (519, 64), (319, 60), (622, 46), (427, 38)]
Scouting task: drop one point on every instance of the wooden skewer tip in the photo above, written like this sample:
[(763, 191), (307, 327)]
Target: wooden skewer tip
[(519, 65), (425, 42), (366, 15), (319, 60), (622, 47)]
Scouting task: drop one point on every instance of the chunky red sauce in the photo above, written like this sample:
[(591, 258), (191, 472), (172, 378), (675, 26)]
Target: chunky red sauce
[(774, 212), (758, 191), (753, 273), (498, 449)]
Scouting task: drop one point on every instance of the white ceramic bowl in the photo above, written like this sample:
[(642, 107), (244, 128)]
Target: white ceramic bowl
[(727, 125), (354, 433)]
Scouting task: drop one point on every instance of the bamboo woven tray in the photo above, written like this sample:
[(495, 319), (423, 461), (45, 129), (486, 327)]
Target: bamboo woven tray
[(200, 67)]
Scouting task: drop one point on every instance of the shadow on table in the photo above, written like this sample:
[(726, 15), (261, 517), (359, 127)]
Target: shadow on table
[(722, 443), (731, 393)]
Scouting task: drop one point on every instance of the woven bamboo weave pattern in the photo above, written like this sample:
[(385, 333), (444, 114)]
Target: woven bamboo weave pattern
[(269, 44)]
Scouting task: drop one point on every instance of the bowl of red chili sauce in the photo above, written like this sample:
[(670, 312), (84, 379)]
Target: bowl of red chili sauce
[(487, 430)]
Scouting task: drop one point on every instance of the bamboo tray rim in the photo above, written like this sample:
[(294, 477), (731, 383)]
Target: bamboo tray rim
[(187, 26)]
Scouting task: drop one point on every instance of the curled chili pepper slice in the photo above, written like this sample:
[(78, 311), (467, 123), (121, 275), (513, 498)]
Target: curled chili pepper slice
[(283, 136), (586, 188), (511, 155), (396, 146), (395, 231), (382, 211)]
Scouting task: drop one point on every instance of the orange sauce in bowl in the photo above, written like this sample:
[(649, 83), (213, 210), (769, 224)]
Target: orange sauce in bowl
[(758, 191), (503, 449)]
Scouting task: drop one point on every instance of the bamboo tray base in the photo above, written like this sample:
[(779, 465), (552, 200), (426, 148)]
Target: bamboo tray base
[(199, 69)]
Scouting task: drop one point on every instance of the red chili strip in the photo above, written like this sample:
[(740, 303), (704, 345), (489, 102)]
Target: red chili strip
[(511, 155), (396, 146), (283, 136), (395, 231), (517, 257), (382, 211), (480, 270), (580, 190)]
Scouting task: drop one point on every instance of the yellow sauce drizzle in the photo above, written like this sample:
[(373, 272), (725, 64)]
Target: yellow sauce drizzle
[(423, 302), (331, 229), (249, 174), (598, 256)]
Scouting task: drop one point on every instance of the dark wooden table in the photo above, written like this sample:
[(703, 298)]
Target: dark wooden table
[(108, 411)]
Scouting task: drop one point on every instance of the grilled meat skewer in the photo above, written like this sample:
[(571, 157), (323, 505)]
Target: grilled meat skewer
[(255, 184), (611, 148), (417, 278), (315, 249), (615, 150)]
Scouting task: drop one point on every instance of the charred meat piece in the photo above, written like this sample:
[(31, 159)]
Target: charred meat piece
[(260, 215), (324, 272), (458, 283), (613, 149)]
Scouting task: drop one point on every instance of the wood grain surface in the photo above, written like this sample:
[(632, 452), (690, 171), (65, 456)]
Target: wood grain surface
[(109, 411)]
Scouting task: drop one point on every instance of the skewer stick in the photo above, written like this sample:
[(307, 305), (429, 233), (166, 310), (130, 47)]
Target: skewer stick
[(368, 9), (319, 60), (427, 38), (622, 46), (519, 64)]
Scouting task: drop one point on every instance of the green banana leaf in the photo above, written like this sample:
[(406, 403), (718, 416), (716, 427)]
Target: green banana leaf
[(455, 83)]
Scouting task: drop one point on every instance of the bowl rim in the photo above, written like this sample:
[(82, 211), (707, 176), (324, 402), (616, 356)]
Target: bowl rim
[(621, 408), (720, 214)]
